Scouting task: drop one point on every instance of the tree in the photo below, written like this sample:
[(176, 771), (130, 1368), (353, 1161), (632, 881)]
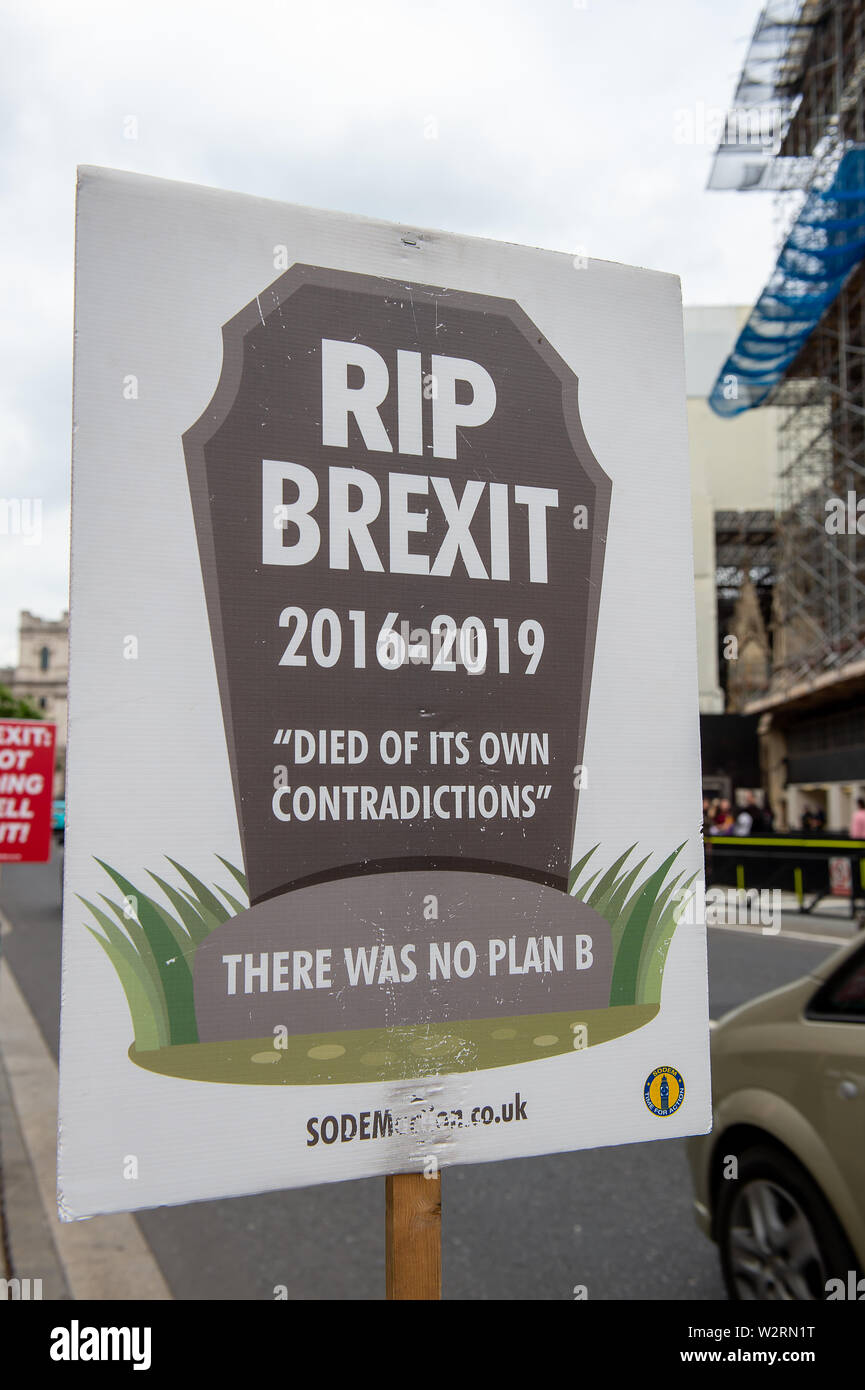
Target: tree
[(13, 708)]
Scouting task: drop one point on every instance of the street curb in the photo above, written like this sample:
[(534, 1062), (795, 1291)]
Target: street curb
[(107, 1257), (30, 1251)]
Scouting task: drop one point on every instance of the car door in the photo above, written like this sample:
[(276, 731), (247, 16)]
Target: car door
[(835, 1019)]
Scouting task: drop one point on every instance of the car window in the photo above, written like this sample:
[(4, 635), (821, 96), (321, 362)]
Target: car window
[(842, 997)]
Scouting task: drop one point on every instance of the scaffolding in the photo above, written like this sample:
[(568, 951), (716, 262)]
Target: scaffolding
[(820, 592), (816, 377), (749, 155)]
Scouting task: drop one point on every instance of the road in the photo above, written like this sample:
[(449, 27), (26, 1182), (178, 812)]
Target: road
[(617, 1220)]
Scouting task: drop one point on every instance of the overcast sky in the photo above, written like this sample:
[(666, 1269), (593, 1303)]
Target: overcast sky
[(549, 122)]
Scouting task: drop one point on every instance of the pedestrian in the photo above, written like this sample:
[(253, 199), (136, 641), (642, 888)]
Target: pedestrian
[(755, 811), (857, 824), (744, 822)]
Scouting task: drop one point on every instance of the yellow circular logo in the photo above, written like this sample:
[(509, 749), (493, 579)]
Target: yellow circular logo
[(664, 1091)]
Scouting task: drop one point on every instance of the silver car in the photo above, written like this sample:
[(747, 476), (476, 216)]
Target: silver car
[(779, 1183)]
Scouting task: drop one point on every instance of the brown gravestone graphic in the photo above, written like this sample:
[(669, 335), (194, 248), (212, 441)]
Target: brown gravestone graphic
[(401, 529)]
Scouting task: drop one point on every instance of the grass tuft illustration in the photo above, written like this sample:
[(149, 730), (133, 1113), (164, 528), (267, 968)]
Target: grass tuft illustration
[(152, 943), (152, 947), (642, 917)]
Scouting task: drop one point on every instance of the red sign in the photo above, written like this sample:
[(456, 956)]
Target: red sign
[(840, 878), (26, 790)]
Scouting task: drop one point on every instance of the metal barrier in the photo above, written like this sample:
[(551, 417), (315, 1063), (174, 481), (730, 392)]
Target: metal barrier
[(799, 863)]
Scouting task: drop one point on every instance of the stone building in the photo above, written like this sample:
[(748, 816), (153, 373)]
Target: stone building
[(41, 676)]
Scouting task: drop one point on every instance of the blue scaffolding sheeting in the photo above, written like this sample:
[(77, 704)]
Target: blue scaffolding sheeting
[(825, 243)]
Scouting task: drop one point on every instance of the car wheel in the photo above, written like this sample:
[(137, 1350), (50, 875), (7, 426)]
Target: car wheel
[(778, 1237)]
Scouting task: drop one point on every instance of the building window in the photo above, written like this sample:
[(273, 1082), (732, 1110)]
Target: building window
[(44, 658), (844, 728), (42, 702)]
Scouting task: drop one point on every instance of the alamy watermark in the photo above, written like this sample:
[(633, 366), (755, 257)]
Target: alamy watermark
[(730, 907), (845, 517), (22, 516), (20, 1290), (714, 125)]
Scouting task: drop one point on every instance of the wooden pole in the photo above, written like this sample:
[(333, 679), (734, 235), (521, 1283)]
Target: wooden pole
[(413, 1236)]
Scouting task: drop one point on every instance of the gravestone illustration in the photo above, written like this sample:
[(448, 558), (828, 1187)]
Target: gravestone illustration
[(401, 529)]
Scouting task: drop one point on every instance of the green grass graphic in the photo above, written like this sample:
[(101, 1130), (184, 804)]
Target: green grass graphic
[(642, 917), (152, 945), (153, 948)]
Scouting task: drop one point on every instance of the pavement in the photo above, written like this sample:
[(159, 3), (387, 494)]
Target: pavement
[(106, 1257), (27, 1250), (525, 1229)]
